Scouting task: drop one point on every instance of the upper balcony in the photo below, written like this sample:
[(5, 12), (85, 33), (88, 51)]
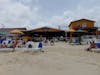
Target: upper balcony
[(84, 28)]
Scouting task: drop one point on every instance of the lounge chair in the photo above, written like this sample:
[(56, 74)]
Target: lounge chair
[(38, 47), (35, 47)]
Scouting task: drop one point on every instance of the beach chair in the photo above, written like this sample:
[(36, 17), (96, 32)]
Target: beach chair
[(97, 49), (30, 44), (38, 47)]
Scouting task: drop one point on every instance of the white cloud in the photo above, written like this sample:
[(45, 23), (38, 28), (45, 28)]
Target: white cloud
[(4, 1), (16, 14), (78, 13), (28, 13)]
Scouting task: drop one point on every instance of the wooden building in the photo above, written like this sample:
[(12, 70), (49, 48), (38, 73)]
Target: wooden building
[(47, 32), (83, 24)]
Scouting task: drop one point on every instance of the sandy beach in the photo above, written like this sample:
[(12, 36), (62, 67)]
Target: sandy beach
[(61, 59)]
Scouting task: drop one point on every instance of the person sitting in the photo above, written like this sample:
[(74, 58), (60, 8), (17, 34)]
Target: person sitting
[(92, 45), (15, 43), (9, 44), (46, 42), (12, 45), (52, 42), (4, 45), (23, 44)]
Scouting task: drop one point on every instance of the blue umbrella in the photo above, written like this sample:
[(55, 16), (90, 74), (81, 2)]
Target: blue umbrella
[(82, 31)]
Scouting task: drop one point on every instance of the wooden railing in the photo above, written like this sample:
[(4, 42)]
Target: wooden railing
[(76, 28)]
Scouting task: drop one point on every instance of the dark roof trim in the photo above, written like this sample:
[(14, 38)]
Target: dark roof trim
[(12, 28), (46, 27)]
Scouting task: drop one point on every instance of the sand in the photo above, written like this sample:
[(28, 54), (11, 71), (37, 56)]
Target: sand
[(61, 59)]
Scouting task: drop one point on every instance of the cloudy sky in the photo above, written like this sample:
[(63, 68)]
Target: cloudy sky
[(37, 13)]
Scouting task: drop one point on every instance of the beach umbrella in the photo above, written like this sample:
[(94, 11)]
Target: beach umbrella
[(79, 34), (70, 30), (16, 31)]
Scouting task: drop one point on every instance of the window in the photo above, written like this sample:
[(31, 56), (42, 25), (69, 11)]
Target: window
[(84, 25), (78, 25)]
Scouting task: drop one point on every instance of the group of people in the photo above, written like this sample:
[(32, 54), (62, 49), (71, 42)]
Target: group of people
[(16, 43), (9, 44), (46, 41), (12, 43)]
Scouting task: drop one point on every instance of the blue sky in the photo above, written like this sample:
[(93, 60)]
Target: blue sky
[(54, 13)]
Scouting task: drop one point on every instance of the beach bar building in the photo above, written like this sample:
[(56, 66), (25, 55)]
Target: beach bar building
[(82, 25), (47, 32)]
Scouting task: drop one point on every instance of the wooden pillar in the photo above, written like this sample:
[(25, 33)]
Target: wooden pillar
[(96, 33), (70, 41)]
